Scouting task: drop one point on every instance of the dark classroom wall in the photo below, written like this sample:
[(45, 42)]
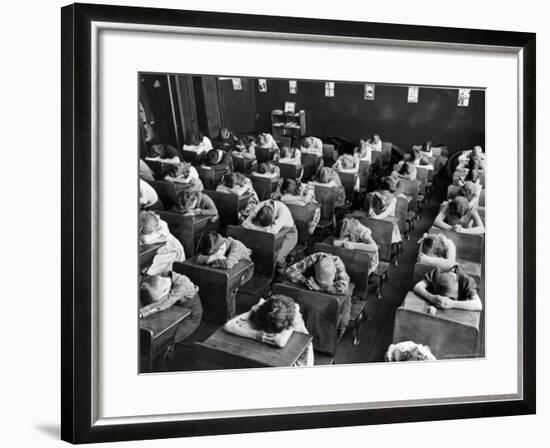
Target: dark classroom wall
[(435, 117)]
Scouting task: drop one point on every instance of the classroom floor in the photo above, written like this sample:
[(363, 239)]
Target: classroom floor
[(377, 329)]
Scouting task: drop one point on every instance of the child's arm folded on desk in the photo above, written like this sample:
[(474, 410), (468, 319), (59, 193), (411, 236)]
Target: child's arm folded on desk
[(241, 326)]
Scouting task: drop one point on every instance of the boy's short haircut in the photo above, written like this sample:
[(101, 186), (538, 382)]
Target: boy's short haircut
[(274, 314), (445, 284), (148, 288), (264, 217), (210, 243), (212, 156), (428, 245)]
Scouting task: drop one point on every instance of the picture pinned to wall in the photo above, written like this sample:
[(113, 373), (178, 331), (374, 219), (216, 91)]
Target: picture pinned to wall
[(293, 87), (369, 92), (329, 89), (290, 107), (463, 97), (237, 85), (262, 85), (413, 94)]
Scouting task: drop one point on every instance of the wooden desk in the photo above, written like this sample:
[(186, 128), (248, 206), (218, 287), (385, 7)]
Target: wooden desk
[(264, 186), (303, 215), (224, 350), (168, 192), (309, 162), (156, 334), (321, 312), (187, 228), (382, 231), (210, 177), (326, 196), (364, 167), (229, 206), (289, 170), (264, 154), (160, 169), (192, 157), (265, 247), (448, 333), (348, 182), (146, 254), (217, 287), (468, 247)]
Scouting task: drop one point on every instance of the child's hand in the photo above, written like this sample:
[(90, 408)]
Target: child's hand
[(312, 284), (347, 244), (443, 302)]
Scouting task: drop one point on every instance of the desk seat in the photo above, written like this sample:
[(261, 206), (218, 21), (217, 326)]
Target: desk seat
[(156, 334), (217, 287)]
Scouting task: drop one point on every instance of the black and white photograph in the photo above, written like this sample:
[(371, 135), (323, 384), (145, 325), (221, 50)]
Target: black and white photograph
[(303, 226)]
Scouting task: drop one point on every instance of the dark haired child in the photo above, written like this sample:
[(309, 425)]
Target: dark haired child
[(219, 252), (272, 321), (219, 161), (449, 289)]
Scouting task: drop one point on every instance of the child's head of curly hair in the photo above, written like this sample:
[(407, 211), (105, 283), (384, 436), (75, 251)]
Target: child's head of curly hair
[(275, 314)]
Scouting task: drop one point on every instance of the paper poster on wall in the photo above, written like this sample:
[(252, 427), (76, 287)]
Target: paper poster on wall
[(463, 97), (237, 84), (413, 94), (369, 91), (292, 87), (290, 107), (262, 85), (329, 89)]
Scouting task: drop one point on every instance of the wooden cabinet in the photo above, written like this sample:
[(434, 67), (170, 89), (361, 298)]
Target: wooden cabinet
[(288, 125)]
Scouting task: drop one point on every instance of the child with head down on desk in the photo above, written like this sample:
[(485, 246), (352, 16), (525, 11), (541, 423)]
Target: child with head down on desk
[(324, 273), (196, 204), (356, 236), (274, 216), (219, 252), (154, 230), (449, 289), (160, 292), (272, 321)]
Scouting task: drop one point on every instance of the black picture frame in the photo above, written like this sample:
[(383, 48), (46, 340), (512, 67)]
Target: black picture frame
[(77, 425)]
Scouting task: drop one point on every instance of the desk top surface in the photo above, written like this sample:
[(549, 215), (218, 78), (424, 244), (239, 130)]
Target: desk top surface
[(414, 303), (147, 249), (258, 351), (159, 323), (239, 267)]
